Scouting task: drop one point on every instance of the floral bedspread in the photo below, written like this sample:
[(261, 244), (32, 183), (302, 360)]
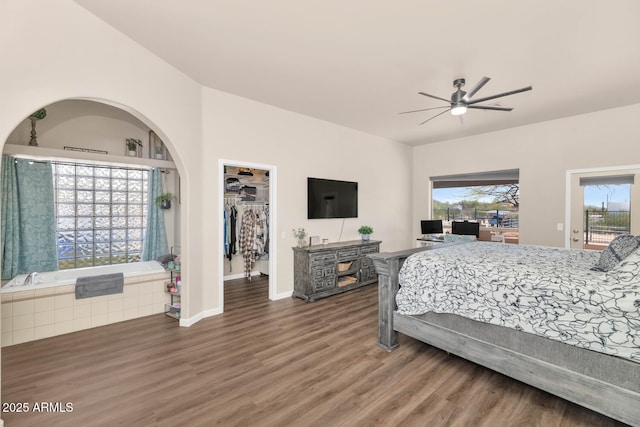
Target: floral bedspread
[(545, 291)]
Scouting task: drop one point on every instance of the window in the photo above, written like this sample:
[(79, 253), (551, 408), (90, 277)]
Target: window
[(490, 198), (101, 214), (607, 208)]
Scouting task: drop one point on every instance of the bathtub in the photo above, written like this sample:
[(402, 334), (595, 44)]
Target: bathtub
[(68, 277), (49, 306)]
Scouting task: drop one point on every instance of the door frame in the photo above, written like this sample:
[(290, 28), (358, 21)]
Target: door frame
[(273, 242), (569, 189)]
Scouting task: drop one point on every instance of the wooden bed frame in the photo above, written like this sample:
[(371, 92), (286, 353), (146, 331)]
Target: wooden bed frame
[(609, 399)]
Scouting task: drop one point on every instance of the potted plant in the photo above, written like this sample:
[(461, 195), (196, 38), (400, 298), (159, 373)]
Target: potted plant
[(132, 147), (301, 235), (365, 232), (164, 200)]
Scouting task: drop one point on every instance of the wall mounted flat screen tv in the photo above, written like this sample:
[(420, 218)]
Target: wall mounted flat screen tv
[(328, 198)]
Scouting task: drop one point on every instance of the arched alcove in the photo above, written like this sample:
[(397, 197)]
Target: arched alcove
[(91, 131)]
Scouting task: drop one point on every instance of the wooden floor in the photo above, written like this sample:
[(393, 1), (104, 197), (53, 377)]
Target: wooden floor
[(261, 363)]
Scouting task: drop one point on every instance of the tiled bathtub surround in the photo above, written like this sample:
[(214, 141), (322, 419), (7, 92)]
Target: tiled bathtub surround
[(40, 313)]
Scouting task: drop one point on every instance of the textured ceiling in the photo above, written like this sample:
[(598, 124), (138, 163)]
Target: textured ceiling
[(359, 63)]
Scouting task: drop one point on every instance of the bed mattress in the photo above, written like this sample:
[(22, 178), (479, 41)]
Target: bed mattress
[(548, 292)]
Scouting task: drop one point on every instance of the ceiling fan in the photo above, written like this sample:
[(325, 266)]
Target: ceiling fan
[(461, 100)]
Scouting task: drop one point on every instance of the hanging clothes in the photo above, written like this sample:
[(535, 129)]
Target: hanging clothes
[(260, 233), (230, 215), (248, 240), (233, 219), (225, 216), (266, 227)]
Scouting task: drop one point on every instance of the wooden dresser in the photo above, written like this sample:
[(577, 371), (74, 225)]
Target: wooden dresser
[(324, 270)]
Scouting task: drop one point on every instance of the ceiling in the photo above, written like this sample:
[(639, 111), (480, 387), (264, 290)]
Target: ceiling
[(358, 63)]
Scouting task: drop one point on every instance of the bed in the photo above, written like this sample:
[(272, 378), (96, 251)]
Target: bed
[(543, 316)]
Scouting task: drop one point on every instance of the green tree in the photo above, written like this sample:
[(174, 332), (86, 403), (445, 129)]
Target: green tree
[(506, 193)]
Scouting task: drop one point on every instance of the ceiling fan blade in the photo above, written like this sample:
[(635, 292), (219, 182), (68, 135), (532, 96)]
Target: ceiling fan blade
[(475, 89), (439, 114), (487, 107), (435, 97), (424, 109), (524, 89)]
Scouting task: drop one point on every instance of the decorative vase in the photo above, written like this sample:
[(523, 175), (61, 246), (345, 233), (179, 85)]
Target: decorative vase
[(302, 243), (34, 140), (165, 204), (365, 237)]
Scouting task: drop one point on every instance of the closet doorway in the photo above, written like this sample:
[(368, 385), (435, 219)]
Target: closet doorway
[(247, 225)]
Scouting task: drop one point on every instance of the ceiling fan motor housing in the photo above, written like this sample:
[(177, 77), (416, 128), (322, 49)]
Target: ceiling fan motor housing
[(456, 97)]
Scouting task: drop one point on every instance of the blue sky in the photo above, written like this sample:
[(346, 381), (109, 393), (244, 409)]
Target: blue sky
[(594, 195)]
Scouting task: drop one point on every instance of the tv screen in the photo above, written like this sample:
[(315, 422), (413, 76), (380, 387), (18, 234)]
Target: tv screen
[(431, 226), (328, 198), (466, 228)]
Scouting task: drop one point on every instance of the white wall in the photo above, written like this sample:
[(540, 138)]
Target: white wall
[(543, 152), (235, 128), (85, 124), (56, 50)]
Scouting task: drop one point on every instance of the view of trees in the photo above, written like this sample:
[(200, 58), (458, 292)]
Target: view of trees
[(504, 196), (474, 204), (501, 194)]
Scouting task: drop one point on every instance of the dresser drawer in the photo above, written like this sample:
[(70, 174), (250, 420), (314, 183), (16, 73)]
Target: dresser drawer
[(323, 257), (349, 253), (374, 249)]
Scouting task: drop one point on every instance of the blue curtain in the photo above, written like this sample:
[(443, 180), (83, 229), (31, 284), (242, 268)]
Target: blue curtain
[(155, 237), (28, 235)]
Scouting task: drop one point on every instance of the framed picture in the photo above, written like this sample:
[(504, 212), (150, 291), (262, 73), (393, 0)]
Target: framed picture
[(314, 240), (157, 150)]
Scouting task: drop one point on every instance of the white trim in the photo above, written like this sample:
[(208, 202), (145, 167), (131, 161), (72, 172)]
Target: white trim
[(273, 232), (567, 210), (567, 202), (240, 275), (57, 154), (198, 317), (282, 295), (191, 320)]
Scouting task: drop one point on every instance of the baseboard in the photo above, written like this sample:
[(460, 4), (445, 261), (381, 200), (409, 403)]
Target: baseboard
[(198, 317), (240, 275), (282, 295)]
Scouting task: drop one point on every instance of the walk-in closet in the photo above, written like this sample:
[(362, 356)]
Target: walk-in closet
[(246, 223)]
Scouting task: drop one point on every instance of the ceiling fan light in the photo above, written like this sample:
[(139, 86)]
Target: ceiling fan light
[(458, 110)]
